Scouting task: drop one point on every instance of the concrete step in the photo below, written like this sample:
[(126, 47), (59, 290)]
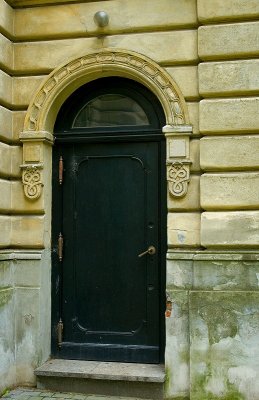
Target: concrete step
[(142, 381)]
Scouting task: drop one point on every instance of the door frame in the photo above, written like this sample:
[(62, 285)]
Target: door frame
[(37, 135), (68, 137), (57, 266)]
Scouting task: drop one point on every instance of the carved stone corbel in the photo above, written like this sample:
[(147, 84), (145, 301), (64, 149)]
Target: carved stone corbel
[(178, 161), (32, 180), (178, 176), (33, 157)]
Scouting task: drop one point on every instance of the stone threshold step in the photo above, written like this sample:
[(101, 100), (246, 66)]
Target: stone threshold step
[(108, 371), (34, 394)]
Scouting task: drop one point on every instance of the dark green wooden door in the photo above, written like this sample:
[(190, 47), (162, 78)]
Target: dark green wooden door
[(110, 214), (109, 208)]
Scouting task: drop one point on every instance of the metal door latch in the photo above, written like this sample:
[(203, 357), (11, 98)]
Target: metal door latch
[(151, 250)]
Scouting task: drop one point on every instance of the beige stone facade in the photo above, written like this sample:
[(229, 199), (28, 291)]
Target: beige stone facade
[(201, 60)]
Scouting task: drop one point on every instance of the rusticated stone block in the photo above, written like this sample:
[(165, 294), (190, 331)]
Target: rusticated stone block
[(239, 229), (18, 121), (195, 155), (5, 160), (5, 124), (229, 78), (5, 88), (5, 231), (77, 19), (16, 160), (6, 18), (10, 160), (229, 153), (13, 200), (231, 10), (228, 41), (24, 88), (19, 3), (191, 201), (193, 110), (5, 197), (184, 229), (21, 204), (6, 54), (187, 80), (229, 115), (230, 191), (34, 57), (27, 231)]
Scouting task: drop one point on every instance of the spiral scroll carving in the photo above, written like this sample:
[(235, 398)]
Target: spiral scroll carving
[(31, 179), (178, 179)]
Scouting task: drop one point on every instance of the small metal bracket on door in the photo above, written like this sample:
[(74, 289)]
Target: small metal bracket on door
[(60, 328), (60, 247)]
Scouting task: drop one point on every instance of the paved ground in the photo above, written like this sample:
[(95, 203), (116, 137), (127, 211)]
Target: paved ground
[(27, 394)]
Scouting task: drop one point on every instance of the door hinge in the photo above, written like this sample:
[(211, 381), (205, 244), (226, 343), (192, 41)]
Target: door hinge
[(60, 170), (60, 247), (60, 328)]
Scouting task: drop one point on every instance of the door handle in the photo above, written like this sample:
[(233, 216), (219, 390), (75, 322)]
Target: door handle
[(151, 250)]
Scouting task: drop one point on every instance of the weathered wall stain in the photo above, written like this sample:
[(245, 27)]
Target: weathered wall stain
[(5, 296)]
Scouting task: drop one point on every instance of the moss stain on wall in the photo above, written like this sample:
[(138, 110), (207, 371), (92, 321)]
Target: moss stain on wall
[(5, 296)]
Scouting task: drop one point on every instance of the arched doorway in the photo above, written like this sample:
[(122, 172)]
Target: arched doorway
[(109, 207), (37, 138)]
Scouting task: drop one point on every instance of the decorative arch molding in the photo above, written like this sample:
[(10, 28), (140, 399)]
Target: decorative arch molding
[(108, 62), (64, 80)]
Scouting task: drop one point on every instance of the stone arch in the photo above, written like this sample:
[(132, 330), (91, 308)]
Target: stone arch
[(64, 80)]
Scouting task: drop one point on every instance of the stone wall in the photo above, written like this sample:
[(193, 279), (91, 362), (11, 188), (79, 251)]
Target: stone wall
[(210, 49), (214, 323), (228, 83), (34, 41), (42, 43), (24, 322)]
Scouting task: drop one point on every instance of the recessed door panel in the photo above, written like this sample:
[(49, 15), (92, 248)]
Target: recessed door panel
[(110, 222)]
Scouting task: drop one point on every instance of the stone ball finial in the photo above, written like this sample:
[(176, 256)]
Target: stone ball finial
[(101, 18)]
